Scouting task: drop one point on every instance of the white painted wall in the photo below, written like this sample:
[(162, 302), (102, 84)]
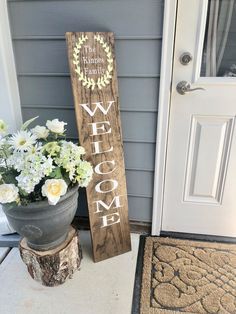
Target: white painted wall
[(10, 110)]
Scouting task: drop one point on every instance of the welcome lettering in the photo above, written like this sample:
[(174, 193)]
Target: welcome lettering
[(98, 128)]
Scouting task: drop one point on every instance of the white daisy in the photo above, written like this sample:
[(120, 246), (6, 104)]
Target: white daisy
[(22, 140)]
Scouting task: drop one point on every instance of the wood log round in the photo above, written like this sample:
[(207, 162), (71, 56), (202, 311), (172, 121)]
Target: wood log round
[(52, 268)]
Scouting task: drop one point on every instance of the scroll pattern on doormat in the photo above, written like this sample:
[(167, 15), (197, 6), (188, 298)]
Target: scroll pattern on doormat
[(181, 276)]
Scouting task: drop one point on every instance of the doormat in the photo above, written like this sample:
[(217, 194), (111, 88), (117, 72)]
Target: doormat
[(182, 276)]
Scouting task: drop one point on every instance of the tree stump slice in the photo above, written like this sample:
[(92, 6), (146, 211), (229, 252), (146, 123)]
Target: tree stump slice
[(53, 267)]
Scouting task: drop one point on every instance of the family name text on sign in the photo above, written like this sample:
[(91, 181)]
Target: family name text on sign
[(95, 90)]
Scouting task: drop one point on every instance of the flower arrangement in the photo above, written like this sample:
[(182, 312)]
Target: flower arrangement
[(39, 163)]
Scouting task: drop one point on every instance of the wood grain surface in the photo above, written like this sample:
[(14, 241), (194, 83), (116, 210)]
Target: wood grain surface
[(53, 267), (98, 120)]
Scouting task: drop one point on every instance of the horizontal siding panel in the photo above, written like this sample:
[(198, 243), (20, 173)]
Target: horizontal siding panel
[(139, 93), (139, 156), (138, 57), (51, 91), (48, 114), (136, 126), (132, 17), (140, 209), (139, 183), (135, 94), (38, 29), (139, 126), (133, 57)]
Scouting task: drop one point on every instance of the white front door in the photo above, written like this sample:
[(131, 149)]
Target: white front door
[(200, 180)]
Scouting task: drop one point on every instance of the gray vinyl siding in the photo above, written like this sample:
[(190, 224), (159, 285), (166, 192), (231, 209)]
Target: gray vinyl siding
[(38, 29)]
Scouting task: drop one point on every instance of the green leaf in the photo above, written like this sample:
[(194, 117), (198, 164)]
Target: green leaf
[(56, 173), (66, 178), (2, 169), (27, 123), (23, 192), (9, 177)]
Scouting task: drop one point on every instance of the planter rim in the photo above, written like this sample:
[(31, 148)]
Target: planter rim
[(39, 204)]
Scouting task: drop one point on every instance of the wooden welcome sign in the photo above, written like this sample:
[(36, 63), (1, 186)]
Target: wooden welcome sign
[(94, 83)]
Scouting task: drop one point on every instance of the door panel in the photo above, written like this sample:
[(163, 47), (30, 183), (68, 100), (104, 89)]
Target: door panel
[(200, 174), (208, 154)]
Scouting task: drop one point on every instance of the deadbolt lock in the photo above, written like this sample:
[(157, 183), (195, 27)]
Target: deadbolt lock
[(185, 58)]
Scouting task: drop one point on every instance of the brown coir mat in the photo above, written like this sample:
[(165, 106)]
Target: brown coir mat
[(183, 276)]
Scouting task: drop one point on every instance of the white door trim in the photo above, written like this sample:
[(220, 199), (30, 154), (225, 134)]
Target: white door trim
[(163, 111), (10, 109)]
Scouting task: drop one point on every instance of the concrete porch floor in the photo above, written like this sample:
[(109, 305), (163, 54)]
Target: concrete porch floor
[(98, 288)]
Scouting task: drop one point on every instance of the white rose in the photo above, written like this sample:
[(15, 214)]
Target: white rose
[(40, 131), (8, 193), (53, 189), (56, 126)]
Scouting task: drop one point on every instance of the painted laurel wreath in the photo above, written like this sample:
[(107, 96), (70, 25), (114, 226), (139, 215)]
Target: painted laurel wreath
[(87, 82)]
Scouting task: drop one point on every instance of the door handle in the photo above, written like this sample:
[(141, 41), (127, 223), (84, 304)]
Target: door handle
[(184, 87)]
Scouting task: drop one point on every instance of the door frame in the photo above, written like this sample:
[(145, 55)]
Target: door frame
[(10, 109), (169, 23)]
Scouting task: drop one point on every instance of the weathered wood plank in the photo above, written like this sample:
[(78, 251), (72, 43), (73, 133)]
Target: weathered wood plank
[(53, 267), (94, 83)]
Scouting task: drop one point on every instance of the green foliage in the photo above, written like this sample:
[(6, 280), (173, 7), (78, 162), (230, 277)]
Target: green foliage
[(23, 193), (66, 177), (56, 173), (60, 173), (2, 170), (27, 123), (9, 176)]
